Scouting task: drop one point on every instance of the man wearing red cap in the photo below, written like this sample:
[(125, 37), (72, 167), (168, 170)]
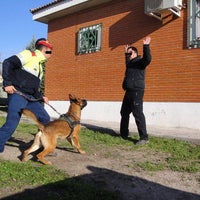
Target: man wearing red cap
[(22, 75)]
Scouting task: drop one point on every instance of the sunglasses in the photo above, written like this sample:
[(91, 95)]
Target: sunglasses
[(128, 54), (48, 52)]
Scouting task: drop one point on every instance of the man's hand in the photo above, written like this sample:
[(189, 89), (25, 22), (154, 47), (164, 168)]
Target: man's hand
[(147, 40), (10, 89), (46, 100), (126, 48)]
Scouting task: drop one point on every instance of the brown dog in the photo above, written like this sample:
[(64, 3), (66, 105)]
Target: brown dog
[(67, 126)]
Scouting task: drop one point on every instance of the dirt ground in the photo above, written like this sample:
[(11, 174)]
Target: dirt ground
[(114, 169)]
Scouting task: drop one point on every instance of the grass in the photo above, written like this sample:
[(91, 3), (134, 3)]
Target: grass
[(182, 155), (178, 156), (54, 183), (20, 174)]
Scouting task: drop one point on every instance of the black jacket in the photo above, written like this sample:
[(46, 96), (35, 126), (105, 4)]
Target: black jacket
[(135, 71), (23, 81)]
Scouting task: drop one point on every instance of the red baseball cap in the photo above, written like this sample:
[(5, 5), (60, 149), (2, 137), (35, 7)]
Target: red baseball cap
[(45, 43)]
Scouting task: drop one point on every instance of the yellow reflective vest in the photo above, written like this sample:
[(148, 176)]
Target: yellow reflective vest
[(32, 62), (24, 71)]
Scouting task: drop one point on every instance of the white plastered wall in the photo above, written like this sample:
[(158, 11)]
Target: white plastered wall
[(182, 115)]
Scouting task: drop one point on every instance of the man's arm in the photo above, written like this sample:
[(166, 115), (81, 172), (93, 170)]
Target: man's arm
[(146, 52), (126, 53), (8, 66)]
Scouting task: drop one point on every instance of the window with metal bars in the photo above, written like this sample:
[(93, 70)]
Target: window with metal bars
[(194, 23), (89, 39)]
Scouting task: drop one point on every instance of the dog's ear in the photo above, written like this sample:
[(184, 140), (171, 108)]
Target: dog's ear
[(71, 96)]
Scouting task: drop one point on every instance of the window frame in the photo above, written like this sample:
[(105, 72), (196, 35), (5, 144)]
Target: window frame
[(92, 33), (194, 23)]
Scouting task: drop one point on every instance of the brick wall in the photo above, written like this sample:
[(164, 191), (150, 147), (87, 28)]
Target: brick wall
[(172, 76)]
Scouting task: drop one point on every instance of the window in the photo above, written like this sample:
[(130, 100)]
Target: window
[(89, 39), (194, 23)]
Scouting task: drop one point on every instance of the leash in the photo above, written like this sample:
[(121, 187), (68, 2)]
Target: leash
[(53, 109), (26, 97), (34, 100)]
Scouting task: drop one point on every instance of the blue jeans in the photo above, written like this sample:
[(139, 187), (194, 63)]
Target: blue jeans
[(16, 103)]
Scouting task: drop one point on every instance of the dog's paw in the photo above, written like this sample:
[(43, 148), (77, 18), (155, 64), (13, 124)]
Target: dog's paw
[(81, 152), (48, 163), (45, 162), (24, 159)]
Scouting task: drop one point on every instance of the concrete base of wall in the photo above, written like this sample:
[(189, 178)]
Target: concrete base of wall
[(159, 114)]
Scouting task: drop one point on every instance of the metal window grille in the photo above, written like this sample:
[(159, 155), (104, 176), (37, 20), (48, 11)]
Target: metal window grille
[(89, 39), (194, 23)]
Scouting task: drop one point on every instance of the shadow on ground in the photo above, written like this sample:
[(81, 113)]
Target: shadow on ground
[(109, 131), (123, 187), (24, 145), (100, 129)]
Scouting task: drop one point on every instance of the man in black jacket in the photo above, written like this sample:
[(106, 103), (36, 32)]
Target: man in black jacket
[(22, 75), (134, 86)]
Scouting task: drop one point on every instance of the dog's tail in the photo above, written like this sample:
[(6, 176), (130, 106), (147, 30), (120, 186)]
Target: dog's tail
[(28, 113)]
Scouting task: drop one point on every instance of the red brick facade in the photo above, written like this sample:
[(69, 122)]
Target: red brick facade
[(172, 76)]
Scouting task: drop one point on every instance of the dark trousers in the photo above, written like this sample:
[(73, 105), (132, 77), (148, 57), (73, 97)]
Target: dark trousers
[(15, 105), (133, 103)]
